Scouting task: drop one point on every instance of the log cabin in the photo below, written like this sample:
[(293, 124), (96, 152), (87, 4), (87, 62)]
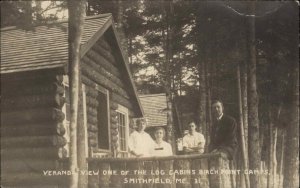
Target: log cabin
[(35, 101), (35, 114)]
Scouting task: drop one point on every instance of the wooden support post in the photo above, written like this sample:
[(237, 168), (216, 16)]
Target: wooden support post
[(200, 179), (148, 167), (104, 179), (166, 166), (135, 169), (214, 179), (93, 180), (182, 180), (116, 181)]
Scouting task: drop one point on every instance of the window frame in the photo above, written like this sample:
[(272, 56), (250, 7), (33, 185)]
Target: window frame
[(98, 150), (123, 110)]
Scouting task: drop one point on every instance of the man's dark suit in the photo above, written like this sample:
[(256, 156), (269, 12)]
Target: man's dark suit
[(224, 136)]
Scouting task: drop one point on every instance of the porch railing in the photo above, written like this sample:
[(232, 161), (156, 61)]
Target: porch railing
[(181, 171)]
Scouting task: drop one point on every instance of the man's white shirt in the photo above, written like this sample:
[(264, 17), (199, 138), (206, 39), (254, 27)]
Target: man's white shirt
[(193, 140)]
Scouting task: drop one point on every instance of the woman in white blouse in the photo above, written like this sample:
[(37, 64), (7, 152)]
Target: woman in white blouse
[(161, 147)]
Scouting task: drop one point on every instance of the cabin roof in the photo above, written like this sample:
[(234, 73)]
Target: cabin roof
[(46, 47), (155, 106), (43, 47)]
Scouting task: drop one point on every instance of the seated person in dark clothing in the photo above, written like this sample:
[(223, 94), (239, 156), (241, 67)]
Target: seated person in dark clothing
[(224, 131)]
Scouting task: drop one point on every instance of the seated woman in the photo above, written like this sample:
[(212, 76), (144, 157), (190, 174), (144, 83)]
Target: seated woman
[(161, 147)]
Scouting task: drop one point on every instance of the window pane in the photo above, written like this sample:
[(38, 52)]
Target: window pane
[(102, 121)]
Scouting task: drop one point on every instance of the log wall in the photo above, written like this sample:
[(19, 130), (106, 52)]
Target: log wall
[(100, 67), (31, 130), (186, 171)]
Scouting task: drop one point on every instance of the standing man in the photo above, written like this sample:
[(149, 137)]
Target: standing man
[(140, 143), (193, 142), (224, 131)]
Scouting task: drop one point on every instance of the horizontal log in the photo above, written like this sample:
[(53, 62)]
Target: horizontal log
[(121, 100), (33, 130), (91, 110), (33, 141), (92, 119), (35, 89), (103, 62), (114, 132), (34, 179), (113, 113), (91, 102), (114, 139), (91, 92), (113, 105), (28, 165), (93, 143), (38, 77), (32, 115), (92, 135), (101, 80), (32, 101), (114, 120), (88, 82), (115, 145), (114, 126), (104, 44), (92, 128), (104, 53), (34, 153), (89, 62)]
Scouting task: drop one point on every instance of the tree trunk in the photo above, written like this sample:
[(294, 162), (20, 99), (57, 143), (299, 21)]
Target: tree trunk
[(28, 15), (120, 27), (39, 9), (292, 131), (253, 135), (244, 81), (81, 140), (208, 102), (76, 20), (280, 184), (270, 182), (242, 133), (202, 99), (169, 10)]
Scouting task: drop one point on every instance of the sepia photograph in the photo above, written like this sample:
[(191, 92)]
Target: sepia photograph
[(149, 94)]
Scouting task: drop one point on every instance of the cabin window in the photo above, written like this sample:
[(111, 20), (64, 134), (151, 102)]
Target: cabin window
[(123, 129), (103, 119)]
